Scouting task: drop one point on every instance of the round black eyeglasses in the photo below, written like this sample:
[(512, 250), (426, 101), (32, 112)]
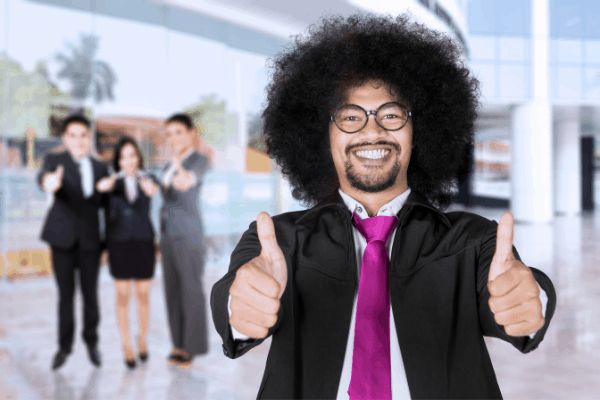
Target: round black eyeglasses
[(351, 118)]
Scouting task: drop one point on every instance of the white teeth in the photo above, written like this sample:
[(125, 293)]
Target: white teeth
[(372, 154)]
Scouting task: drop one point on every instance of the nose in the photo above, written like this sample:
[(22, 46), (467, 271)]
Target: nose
[(372, 129)]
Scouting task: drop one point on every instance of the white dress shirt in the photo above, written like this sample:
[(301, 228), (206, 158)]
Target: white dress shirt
[(86, 172), (131, 190), (170, 172), (400, 388)]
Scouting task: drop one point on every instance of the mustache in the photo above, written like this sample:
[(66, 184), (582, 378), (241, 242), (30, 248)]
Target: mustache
[(377, 143)]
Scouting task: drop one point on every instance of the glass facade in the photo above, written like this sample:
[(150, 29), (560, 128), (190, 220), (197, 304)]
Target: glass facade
[(500, 42)]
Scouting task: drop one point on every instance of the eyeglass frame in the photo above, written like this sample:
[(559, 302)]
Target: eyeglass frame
[(408, 115)]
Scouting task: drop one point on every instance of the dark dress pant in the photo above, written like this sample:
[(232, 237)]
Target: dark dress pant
[(183, 267), (65, 263)]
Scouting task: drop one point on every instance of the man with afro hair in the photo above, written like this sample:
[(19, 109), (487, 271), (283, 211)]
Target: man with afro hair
[(371, 119)]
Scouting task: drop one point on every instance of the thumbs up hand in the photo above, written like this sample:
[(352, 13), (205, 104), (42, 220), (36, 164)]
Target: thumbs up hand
[(514, 293), (53, 180), (106, 184), (258, 285), (183, 180)]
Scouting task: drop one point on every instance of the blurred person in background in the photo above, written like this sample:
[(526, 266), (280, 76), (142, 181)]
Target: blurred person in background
[(130, 240), (182, 242), (375, 292), (72, 229)]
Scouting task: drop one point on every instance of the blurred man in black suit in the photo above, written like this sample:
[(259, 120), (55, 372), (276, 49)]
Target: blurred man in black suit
[(72, 229)]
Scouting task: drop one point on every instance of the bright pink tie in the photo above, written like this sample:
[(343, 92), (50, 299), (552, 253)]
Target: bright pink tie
[(371, 365)]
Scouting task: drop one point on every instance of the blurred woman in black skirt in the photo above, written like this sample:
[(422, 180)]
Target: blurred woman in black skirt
[(130, 239)]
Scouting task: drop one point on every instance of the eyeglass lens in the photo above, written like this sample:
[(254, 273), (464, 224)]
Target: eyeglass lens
[(352, 118)]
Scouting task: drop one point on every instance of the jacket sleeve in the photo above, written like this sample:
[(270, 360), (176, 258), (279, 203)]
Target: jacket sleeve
[(247, 249), (489, 326)]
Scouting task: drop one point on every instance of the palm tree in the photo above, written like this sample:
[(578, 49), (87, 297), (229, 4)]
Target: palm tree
[(87, 74)]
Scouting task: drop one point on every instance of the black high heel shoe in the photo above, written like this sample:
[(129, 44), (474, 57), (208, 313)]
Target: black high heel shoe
[(143, 356), (130, 363)]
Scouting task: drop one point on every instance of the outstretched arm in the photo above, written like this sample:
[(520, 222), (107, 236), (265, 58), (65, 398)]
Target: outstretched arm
[(510, 307)]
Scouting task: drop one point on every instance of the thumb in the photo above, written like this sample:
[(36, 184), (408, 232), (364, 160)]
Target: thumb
[(504, 245), (266, 236), (60, 170), (271, 252)]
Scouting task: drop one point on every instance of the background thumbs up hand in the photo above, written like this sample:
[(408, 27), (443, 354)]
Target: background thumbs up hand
[(514, 293), (53, 180), (106, 184), (258, 285)]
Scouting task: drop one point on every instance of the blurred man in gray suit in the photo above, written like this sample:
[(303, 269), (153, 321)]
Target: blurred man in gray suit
[(182, 242)]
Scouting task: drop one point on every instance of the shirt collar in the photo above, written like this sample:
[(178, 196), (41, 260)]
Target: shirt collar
[(85, 159), (390, 209)]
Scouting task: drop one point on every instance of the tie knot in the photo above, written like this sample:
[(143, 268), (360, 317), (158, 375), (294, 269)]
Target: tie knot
[(375, 228)]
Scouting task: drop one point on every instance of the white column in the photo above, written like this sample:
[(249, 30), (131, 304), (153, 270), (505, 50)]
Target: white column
[(532, 174), (567, 162)]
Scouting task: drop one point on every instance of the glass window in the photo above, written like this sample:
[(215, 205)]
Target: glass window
[(568, 82), (566, 19), (139, 64), (483, 47), (514, 49), (592, 83), (482, 17), (514, 81), (568, 51), (514, 17), (592, 20), (486, 73), (592, 51)]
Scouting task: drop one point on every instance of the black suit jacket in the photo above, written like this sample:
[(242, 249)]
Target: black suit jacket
[(438, 287), (73, 218), (127, 221)]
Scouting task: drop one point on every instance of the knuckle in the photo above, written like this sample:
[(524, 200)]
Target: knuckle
[(274, 289), (273, 306), (499, 320), (538, 307), (270, 320), (494, 304), (541, 323), (234, 288), (511, 330), (243, 273)]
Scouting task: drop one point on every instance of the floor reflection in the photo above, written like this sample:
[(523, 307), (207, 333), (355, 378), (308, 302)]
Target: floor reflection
[(565, 366), (63, 390)]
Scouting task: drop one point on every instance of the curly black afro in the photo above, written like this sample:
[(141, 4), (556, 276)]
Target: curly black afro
[(424, 67)]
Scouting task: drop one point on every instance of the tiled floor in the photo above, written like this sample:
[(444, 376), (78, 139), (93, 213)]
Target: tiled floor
[(565, 366)]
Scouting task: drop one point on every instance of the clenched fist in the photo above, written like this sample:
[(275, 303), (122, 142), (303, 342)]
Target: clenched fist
[(259, 285), (514, 293)]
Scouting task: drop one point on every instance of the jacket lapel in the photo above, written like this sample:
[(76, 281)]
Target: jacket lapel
[(72, 168)]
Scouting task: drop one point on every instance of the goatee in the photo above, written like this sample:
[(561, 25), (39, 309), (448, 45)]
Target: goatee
[(372, 183)]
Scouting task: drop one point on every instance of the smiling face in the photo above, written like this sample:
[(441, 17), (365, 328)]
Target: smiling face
[(129, 160), (372, 160), (179, 137), (77, 138)]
